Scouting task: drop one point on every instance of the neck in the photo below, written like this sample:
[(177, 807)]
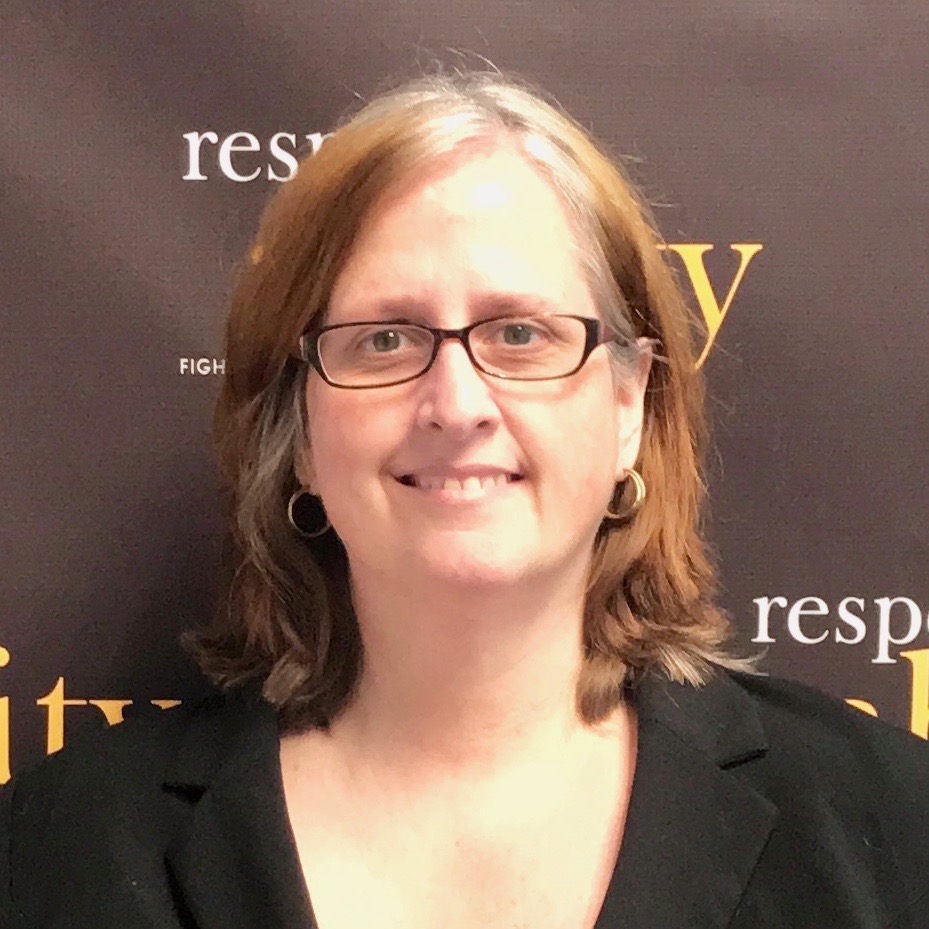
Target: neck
[(468, 683)]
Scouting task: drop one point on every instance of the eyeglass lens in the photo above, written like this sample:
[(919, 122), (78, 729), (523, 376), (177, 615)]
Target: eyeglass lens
[(521, 348)]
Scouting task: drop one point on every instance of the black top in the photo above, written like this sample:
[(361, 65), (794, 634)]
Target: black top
[(757, 804)]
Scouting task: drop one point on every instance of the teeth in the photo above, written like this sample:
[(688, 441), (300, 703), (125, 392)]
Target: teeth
[(469, 486)]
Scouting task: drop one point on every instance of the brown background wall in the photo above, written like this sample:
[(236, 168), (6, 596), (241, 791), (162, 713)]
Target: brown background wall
[(800, 127)]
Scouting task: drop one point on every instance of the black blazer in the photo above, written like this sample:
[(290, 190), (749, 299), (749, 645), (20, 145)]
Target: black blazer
[(757, 804)]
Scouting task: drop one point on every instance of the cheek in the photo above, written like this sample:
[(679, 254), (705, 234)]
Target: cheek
[(348, 442), (591, 453), (591, 433), (575, 453)]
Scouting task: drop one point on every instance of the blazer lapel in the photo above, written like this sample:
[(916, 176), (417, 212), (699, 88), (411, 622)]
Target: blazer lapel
[(233, 863), (694, 829)]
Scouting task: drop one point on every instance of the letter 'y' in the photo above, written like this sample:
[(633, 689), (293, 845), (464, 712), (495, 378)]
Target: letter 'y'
[(713, 313)]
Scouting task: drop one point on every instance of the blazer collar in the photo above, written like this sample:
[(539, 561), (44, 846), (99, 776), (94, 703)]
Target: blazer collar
[(234, 863), (694, 830)]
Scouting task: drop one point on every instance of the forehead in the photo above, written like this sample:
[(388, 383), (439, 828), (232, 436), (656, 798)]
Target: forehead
[(483, 225)]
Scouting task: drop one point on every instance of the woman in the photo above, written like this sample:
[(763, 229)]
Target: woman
[(470, 667)]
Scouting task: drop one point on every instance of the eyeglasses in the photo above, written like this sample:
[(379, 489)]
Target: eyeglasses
[(518, 348)]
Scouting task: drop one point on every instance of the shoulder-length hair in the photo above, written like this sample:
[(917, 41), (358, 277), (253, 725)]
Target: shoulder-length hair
[(286, 618)]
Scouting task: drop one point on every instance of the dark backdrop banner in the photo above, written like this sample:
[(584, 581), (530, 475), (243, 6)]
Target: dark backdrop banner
[(785, 145)]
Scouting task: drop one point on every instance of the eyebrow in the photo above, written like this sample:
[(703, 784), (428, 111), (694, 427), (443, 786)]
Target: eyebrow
[(410, 309), (524, 304)]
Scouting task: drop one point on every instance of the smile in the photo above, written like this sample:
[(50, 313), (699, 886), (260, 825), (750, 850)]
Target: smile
[(470, 487)]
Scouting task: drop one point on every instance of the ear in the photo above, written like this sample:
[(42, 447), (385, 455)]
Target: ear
[(303, 464), (630, 407), (306, 477)]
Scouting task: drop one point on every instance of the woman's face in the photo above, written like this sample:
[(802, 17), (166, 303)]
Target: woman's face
[(485, 236)]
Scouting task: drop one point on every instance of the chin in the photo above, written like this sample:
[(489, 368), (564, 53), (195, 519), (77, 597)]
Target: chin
[(479, 565)]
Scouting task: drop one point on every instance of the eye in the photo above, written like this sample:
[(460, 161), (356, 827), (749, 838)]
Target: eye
[(522, 332), (384, 341), (519, 333)]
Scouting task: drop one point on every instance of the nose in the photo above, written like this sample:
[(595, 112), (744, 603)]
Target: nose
[(455, 398)]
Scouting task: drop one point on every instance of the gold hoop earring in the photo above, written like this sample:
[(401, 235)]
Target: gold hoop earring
[(639, 484), (300, 502)]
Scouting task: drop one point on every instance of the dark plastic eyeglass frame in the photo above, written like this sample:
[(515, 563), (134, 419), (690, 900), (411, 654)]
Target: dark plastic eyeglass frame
[(597, 333)]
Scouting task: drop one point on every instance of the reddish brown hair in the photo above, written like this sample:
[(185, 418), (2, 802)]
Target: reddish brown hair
[(287, 619)]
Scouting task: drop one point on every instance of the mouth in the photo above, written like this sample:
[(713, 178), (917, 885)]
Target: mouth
[(467, 485)]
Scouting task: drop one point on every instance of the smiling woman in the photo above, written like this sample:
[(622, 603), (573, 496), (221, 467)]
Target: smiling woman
[(469, 667), (450, 223)]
